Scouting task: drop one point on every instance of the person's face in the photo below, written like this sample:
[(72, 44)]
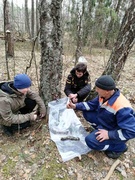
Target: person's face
[(103, 93), (79, 74), (24, 91)]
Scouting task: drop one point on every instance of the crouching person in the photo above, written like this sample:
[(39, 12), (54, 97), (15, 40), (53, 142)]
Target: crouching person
[(78, 85), (112, 116), (17, 103)]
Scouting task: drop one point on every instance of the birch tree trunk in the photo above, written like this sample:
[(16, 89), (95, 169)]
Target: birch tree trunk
[(37, 24), (123, 45), (51, 49)]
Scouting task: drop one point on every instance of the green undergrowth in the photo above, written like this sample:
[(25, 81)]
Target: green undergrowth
[(51, 171), (8, 168)]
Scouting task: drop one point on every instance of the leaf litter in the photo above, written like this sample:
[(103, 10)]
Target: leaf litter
[(31, 155)]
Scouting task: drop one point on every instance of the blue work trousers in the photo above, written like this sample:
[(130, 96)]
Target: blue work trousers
[(93, 143)]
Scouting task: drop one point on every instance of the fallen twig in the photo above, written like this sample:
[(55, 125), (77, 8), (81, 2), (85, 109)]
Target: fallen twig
[(114, 165)]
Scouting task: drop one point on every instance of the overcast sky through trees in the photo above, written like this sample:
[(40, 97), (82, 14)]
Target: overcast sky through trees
[(17, 2)]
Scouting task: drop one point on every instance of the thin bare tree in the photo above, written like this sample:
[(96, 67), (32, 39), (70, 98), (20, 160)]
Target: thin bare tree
[(27, 23), (32, 19)]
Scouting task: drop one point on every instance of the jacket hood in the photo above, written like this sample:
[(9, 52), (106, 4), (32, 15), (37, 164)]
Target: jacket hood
[(7, 89)]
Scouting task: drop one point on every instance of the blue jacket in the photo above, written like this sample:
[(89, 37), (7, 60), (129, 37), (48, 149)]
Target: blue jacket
[(115, 115)]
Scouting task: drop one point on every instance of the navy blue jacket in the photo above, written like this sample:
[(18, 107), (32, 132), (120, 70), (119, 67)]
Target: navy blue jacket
[(115, 115)]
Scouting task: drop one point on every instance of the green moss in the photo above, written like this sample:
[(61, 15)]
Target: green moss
[(8, 168), (51, 171), (13, 150), (118, 174)]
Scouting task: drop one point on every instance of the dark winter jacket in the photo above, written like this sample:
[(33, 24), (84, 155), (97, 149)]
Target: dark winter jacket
[(81, 86), (12, 100)]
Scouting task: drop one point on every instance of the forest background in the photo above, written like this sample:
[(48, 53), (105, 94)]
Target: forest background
[(45, 40)]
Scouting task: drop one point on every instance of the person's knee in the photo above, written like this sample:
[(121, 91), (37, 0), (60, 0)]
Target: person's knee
[(87, 140), (90, 142)]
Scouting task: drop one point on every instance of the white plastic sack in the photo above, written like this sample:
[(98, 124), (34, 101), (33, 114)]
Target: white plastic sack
[(63, 123)]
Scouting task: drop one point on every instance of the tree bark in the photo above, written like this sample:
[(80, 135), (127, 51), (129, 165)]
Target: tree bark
[(80, 14), (6, 23), (51, 49), (27, 24), (32, 19), (37, 24), (112, 26), (123, 45)]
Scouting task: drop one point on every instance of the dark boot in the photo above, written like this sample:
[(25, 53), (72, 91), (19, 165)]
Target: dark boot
[(114, 155), (8, 130), (16, 127)]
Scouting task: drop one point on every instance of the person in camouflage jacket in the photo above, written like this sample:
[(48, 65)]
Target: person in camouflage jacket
[(17, 103)]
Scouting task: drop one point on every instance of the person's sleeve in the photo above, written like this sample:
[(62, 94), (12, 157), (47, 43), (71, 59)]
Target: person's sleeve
[(8, 117), (88, 106), (34, 96), (87, 87), (126, 122), (68, 84), (84, 91)]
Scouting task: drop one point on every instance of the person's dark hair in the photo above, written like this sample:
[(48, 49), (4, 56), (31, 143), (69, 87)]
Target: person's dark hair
[(81, 67)]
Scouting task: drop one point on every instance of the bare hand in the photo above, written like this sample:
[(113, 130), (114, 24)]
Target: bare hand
[(74, 100), (102, 135), (71, 105), (35, 117), (71, 96), (42, 115)]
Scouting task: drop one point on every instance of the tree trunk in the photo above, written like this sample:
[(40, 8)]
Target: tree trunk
[(112, 26), (27, 24), (8, 33), (123, 45), (10, 45), (6, 24), (32, 19), (78, 52), (37, 24), (51, 49)]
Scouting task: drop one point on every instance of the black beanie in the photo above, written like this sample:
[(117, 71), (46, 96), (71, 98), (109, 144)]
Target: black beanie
[(105, 82)]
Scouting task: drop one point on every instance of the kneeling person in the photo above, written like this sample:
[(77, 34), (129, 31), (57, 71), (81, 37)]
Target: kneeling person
[(17, 103), (112, 116)]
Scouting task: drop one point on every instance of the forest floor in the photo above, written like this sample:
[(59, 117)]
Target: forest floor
[(32, 155)]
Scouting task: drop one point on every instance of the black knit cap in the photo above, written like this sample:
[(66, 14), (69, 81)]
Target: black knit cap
[(105, 82)]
